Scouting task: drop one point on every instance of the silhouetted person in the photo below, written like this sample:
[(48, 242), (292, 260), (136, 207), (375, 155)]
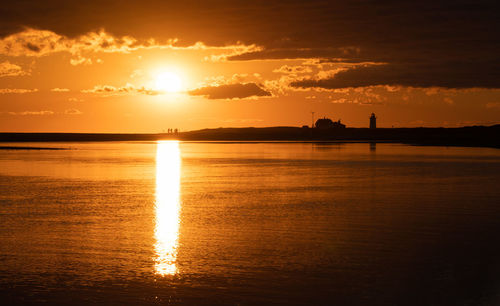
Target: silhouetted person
[(373, 121)]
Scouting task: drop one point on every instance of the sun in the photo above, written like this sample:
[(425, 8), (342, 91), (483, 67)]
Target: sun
[(168, 82)]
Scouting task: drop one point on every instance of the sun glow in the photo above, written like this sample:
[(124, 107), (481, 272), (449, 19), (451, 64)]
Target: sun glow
[(168, 82)]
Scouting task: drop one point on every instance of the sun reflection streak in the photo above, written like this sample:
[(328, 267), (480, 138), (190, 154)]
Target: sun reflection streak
[(168, 173)]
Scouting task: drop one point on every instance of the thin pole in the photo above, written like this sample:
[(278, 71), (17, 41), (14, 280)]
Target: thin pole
[(312, 119)]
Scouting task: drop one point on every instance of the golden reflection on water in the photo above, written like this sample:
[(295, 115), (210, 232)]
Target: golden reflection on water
[(168, 182)]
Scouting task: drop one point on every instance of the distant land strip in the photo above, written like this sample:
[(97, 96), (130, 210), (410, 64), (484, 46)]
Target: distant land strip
[(28, 148), (476, 136)]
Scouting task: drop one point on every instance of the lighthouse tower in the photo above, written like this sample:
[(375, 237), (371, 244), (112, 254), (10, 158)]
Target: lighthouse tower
[(373, 121)]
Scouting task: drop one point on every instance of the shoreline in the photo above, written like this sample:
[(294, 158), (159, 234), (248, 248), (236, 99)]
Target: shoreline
[(475, 136)]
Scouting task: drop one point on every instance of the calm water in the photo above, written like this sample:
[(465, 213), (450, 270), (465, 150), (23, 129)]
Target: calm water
[(249, 223)]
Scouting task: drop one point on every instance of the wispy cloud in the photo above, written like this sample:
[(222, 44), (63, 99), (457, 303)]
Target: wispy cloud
[(17, 90), (72, 111), (57, 89), (108, 90), (32, 113), (286, 69)]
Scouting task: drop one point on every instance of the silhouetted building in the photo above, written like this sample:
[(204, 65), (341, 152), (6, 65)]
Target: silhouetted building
[(373, 121), (327, 123)]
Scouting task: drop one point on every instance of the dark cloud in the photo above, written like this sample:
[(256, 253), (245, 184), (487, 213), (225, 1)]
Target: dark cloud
[(273, 23), (338, 54), (230, 91), (425, 34), (448, 75), (33, 47)]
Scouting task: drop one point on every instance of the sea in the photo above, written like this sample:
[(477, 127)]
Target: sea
[(249, 223)]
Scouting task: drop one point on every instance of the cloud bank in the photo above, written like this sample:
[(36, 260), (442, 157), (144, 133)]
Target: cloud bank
[(36, 43), (448, 43)]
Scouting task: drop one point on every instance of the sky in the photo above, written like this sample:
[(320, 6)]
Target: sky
[(150, 65)]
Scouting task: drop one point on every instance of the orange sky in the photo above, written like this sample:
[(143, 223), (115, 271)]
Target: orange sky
[(92, 79)]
